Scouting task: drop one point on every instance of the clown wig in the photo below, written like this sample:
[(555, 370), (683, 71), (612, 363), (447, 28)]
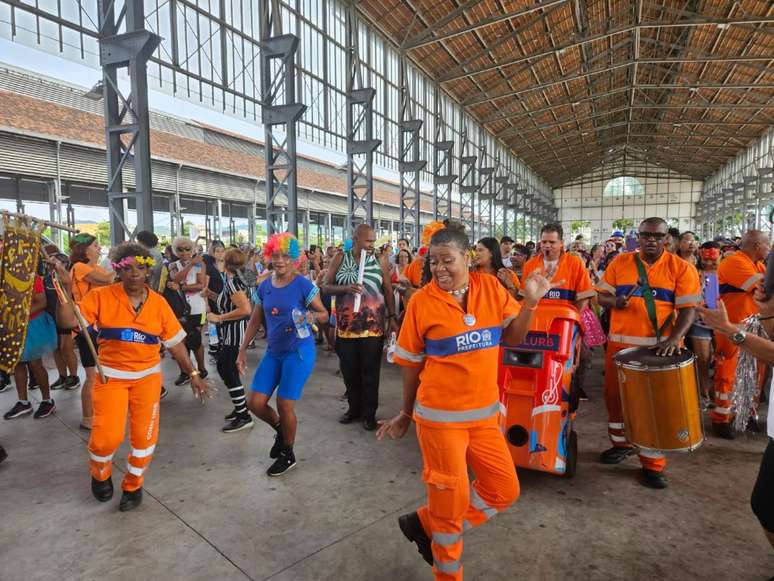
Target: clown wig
[(284, 243)]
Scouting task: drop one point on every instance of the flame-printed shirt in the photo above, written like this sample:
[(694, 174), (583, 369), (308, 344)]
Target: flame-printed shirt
[(370, 320)]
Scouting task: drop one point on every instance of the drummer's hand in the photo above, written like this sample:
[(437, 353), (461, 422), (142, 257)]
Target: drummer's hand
[(667, 347), (621, 302), (395, 428)]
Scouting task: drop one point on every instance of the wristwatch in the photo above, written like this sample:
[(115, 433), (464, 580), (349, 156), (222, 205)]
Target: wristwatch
[(738, 337), (195, 373)]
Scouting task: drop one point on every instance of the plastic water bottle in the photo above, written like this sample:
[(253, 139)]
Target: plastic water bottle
[(213, 335), (299, 319), (391, 348)]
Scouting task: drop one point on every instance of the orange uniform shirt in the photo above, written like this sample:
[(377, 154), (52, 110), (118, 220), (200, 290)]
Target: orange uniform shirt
[(129, 342), (81, 286), (458, 350), (674, 283), (577, 283), (738, 276)]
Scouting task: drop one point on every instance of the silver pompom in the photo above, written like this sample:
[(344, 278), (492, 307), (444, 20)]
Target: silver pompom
[(744, 399)]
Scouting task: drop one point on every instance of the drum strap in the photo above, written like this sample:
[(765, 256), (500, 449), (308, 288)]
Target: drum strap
[(650, 302)]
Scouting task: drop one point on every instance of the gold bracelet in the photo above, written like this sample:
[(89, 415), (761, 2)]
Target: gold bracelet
[(195, 373)]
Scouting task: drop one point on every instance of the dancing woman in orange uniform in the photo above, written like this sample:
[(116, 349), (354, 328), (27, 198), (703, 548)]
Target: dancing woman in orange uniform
[(448, 347), (131, 321)]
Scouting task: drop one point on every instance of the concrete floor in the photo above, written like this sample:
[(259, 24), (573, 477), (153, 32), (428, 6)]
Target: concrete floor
[(210, 512)]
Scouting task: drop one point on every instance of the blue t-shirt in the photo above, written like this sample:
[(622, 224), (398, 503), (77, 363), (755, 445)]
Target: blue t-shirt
[(278, 305)]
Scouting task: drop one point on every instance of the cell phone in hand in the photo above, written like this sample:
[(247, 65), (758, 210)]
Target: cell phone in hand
[(711, 291)]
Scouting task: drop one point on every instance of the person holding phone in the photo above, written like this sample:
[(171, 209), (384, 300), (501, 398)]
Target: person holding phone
[(699, 336), (762, 499), (738, 275), (651, 295)]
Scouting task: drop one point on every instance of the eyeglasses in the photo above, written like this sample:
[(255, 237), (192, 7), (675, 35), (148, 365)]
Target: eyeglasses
[(652, 235), (183, 249)]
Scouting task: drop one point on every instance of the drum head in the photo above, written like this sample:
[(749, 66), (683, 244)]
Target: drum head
[(645, 357)]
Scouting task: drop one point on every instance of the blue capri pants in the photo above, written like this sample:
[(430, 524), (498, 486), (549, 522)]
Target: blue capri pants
[(285, 372)]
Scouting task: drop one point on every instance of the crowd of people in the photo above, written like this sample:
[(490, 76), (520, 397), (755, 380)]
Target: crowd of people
[(439, 311)]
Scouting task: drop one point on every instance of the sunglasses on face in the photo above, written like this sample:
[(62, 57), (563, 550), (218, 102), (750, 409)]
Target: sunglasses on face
[(183, 249), (652, 235)]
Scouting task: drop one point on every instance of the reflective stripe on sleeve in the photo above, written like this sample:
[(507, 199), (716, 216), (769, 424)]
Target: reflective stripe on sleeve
[(144, 453), (746, 285), (447, 566), (446, 539), (408, 356), (722, 411), (134, 470), (101, 458), (723, 396), (619, 439), (602, 285), (436, 415), (687, 299), (169, 343), (123, 374)]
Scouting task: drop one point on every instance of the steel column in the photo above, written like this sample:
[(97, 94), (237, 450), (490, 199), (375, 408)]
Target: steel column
[(127, 125), (443, 154), (280, 113), (359, 127), (410, 165), (468, 184)]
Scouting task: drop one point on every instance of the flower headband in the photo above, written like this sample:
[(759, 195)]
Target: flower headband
[(129, 260)]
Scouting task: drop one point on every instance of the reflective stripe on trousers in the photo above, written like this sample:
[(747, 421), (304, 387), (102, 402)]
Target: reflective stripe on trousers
[(454, 504)]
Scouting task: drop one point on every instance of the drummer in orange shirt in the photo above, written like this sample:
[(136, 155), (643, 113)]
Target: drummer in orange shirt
[(448, 348), (676, 291), (739, 276)]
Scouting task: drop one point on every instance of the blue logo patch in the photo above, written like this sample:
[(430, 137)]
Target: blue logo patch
[(128, 335), (472, 340)]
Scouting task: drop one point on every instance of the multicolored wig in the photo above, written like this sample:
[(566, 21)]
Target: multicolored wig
[(284, 243)]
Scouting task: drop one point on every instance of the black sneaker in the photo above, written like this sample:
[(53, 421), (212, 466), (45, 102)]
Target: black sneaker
[(59, 383), (412, 529), (130, 500), (369, 424), (723, 430), (72, 382), (164, 392), (241, 422), (5, 383), (582, 396), (182, 379), (286, 461), (19, 409), (203, 373), (102, 489), (654, 479), (349, 416), (33, 383), (45, 409), (278, 443), (615, 455), (231, 417), (3, 454)]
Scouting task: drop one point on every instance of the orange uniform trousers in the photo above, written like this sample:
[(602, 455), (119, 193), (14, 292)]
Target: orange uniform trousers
[(455, 505), (649, 459), (112, 400), (726, 360)]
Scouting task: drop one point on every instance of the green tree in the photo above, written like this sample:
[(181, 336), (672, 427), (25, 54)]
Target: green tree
[(623, 224), (103, 233), (577, 225)]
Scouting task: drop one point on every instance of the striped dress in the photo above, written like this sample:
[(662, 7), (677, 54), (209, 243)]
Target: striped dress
[(370, 321)]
